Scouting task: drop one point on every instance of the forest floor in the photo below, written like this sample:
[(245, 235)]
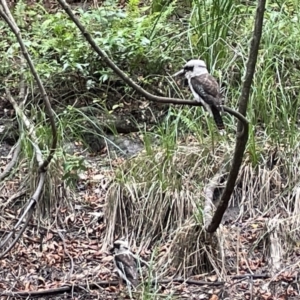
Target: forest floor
[(66, 260)]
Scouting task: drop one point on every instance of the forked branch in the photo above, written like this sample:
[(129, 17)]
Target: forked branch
[(28, 211), (242, 134), (8, 18)]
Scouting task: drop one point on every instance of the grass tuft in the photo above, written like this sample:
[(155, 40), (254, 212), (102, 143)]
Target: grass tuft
[(158, 197)]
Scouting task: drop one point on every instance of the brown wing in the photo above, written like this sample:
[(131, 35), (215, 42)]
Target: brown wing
[(207, 85), (128, 265), (210, 85), (208, 89)]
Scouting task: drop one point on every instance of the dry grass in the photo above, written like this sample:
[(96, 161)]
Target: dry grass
[(157, 199)]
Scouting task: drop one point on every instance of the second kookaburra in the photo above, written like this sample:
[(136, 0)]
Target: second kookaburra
[(204, 87), (126, 263)]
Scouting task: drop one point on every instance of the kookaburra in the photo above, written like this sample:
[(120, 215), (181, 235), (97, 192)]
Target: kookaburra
[(204, 87), (126, 263)]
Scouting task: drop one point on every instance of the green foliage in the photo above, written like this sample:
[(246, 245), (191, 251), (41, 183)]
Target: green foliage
[(72, 167), (158, 5), (133, 37), (133, 6), (213, 21), (143, 40), (277, 79)]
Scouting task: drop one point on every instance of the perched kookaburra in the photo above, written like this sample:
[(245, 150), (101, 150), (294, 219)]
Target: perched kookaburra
[(126, 263), (204, 87)]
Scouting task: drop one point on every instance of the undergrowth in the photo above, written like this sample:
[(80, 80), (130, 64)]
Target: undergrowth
[(158, 195)]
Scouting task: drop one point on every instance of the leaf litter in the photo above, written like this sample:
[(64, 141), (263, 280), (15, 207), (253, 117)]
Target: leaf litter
[(67, 249)]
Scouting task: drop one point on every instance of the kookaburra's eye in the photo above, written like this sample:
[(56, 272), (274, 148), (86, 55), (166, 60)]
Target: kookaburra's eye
[(188, 68)]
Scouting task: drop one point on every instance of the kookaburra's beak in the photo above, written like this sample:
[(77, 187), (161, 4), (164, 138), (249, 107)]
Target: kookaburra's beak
[(179, 73)]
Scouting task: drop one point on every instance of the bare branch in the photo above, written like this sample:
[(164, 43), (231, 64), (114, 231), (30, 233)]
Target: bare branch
[(127, 79), (28, 125), (242, 134), (96, 285), (8, 18), (13, 161), (27, 212)]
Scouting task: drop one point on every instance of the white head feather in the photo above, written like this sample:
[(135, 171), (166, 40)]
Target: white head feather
[(121, 246), (192, 68), (195, 67)]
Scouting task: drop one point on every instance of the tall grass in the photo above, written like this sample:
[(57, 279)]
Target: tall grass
[(220, 33), (213, 22)]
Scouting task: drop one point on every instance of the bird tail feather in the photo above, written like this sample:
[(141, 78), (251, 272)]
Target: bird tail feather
[(217, 117)]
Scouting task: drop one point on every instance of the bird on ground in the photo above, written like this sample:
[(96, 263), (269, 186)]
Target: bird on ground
[(204, 87), (126, 263)]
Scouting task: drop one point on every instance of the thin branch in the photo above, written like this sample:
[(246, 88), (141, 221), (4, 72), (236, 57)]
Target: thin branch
[(15, 196), (8, 18), (127, 79), (96, 285), (253, 276), (28, 212), (242, 134), (28, 125), (190, 281), (13, 161)]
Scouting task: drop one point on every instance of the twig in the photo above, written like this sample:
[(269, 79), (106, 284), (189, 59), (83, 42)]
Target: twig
[(96, 285), (28, 212), (68, 288), (189, 281), (13, 161), (13, 197), (242, 130), (254, 276), (67, 252)]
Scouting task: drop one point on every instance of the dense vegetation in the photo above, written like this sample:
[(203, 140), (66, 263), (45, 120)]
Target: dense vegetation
[(150, 40)]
